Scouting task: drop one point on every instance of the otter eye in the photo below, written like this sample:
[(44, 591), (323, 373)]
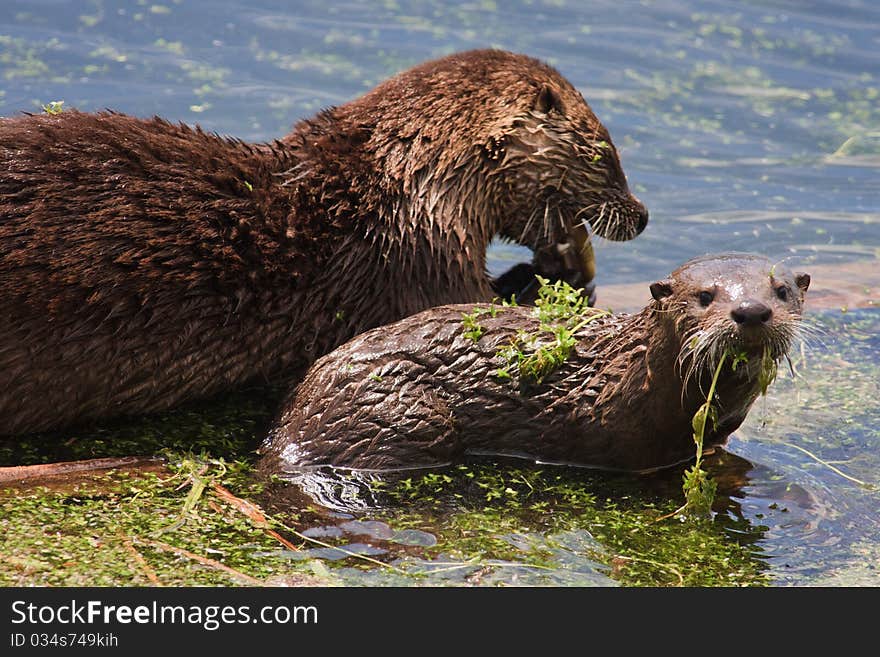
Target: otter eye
[(706, 298), (782, 293)]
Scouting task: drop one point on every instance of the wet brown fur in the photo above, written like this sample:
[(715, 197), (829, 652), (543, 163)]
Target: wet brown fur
[(420, 393), (144, 263)]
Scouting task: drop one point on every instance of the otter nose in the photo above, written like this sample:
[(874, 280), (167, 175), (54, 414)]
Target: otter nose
[(642, 218), (751, 313)]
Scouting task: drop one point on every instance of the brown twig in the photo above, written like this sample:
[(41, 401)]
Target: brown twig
[(253, 513), (232, 572), (148, 570), (17, 473)]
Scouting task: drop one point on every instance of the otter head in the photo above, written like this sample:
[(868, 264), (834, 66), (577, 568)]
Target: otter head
[(555, 169), (501, 144), (556, 154), (742, 305)]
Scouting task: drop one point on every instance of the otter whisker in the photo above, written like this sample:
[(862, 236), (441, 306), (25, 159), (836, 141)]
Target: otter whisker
[(704, 350), (599, 226), (614, 227), (589, 241), (813, 336), (619, 224), (522, 236), (547, 220), (586, 208)]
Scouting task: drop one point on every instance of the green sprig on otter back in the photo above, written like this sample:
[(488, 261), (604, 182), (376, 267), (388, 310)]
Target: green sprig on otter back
[(469, 321), (562, 310), (546, 358), (54, 107), (559, 302)]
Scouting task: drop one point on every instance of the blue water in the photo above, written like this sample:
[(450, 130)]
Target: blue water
[(723, 112), (752, 126)]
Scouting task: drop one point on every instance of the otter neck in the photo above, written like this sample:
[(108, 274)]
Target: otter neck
[(449, 225), (735, 390), (645, 350), (428, 213)]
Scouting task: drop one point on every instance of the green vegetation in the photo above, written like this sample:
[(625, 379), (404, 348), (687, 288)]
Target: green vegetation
[(562, 311), (565, 525), (469, 321), (699, 489), (142, 528), (54, 107)]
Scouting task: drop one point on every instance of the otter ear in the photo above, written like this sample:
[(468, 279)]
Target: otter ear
[(803, 280), (661, 289), (547, 99)]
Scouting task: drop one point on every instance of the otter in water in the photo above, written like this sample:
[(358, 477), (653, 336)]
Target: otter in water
[(430, 389), (144, 263)]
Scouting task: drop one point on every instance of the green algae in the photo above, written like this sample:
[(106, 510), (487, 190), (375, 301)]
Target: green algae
[(110, 529), (517, 515), (22, 59)]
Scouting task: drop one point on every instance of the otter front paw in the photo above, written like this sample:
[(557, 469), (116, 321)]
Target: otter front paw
[(520, 281), (589, 290)]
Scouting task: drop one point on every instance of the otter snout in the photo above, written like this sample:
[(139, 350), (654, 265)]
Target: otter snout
[(751, 313), (641, 216)]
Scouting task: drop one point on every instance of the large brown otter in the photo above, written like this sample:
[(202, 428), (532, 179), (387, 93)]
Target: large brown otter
[(425, 391), (144, 263)]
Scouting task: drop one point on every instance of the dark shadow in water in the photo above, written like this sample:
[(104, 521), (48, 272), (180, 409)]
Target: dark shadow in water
[(229, 425)]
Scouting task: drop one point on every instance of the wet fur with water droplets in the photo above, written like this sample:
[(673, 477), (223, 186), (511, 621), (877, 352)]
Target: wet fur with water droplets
[(144, 263), (421, 393)]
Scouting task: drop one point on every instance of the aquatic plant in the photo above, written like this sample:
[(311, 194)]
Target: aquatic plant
[(699, 488), (562, 311), (54, 107)]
